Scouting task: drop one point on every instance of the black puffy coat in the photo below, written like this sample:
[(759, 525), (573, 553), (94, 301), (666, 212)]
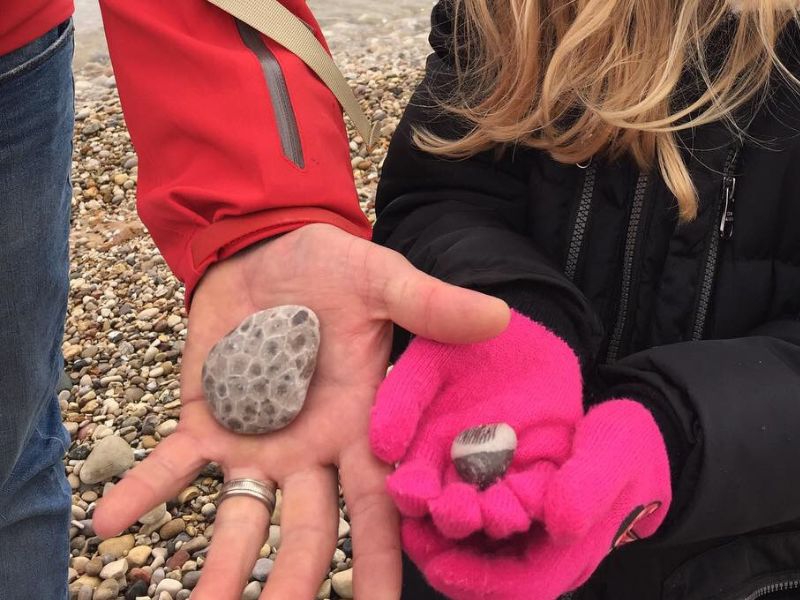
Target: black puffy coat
[(700, 321)]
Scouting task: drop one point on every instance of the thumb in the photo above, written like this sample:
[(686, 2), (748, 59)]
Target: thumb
[(432, 309)]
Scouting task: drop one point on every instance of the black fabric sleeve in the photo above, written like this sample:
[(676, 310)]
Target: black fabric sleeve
[(464, 221), (730, 412)]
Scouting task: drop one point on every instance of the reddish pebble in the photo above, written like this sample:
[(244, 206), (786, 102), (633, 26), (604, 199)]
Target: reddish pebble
[(138, 574), (86, 431), (176, 560)]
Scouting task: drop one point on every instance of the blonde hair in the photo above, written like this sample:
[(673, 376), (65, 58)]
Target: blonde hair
[(577, 78)]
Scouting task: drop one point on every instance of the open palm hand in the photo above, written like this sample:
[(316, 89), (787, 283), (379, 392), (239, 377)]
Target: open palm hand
[(357, 290)]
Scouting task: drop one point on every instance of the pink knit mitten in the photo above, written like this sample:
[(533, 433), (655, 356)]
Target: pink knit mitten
[(615, 488), (526, 378)]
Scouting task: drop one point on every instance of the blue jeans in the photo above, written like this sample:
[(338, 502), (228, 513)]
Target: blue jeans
[(36, 122)]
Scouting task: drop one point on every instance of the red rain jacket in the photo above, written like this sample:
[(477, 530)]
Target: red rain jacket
[(237, 139)]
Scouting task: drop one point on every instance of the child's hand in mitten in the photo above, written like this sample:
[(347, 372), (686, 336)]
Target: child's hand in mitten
[(614, 488), (528, 379)]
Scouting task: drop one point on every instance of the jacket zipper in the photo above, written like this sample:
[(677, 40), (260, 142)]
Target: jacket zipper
[(725, 232), (774, 588), (580, 226), (279, 93), (631, 243)]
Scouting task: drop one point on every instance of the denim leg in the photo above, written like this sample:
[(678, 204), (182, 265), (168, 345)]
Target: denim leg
[(36, 121)]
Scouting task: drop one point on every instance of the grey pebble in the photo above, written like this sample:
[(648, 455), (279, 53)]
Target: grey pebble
[(262, 569), (252, 591), (190, 579), (111, 457), (482, 454), (256, 377)]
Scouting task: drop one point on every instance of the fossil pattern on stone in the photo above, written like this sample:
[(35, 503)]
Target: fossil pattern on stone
[(256, 378), (482, 454)]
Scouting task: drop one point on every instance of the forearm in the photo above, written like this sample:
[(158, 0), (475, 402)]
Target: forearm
[(215, 171)]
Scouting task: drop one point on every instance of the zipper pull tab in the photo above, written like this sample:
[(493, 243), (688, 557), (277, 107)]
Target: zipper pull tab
[(726, 222)]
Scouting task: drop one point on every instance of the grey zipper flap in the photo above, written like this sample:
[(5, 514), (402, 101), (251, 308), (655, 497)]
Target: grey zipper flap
[(718, 234), (581, 223), (285, 118)]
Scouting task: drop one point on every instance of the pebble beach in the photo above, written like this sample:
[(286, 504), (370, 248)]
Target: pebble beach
[(126, 326)]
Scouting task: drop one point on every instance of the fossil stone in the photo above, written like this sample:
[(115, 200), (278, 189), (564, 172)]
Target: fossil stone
[(482, 454), (257, 376)]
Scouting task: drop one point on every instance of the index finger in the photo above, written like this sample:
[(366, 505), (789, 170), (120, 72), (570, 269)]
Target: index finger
[(377, 555), (174, 463)]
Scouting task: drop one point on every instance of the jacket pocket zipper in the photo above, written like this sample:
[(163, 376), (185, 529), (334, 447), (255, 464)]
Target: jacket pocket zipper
[(581, 223), (773, 589), (725, 232), (631, 243), (279, 93)]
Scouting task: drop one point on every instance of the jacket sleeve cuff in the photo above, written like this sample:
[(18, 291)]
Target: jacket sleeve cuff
[(223, 239), (544, 306)]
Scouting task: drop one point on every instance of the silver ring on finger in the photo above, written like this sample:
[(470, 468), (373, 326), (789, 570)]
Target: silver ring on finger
[(263, 491)]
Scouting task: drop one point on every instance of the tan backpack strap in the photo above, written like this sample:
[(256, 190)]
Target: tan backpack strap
[(278, 23)]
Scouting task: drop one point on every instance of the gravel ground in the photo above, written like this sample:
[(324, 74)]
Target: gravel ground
[(126, 329)]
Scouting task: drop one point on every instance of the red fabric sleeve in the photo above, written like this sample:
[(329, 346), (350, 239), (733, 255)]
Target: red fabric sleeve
[(213, 177)]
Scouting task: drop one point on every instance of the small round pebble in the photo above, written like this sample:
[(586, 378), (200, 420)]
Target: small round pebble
[(482, 454), (343, 583), (252, 591), (190, 579), (262, 569), (172, 528), (173, 586)]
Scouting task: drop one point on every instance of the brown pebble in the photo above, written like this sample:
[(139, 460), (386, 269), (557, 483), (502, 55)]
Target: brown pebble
[(171, 529), (94, 566)]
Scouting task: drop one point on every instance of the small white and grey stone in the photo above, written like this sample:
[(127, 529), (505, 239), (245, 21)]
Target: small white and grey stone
[(256, 377), (262, 569), (173, 586), (483, 454)]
